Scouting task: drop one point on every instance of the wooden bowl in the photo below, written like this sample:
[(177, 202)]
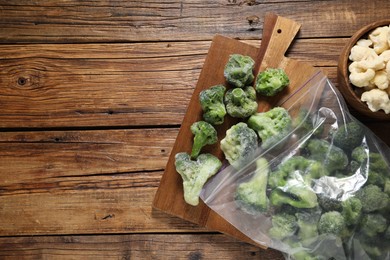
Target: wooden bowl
[(351, 93)]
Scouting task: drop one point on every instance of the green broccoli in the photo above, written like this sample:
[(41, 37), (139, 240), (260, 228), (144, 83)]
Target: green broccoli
[(271, 81), (387, 233), (251, 195), (296, 167), (329, 204), (241, 102), (307, 223), (239, 144), (360, 154), (299, 252), (333, 157), (271, 126), (378, 170), (331, 222), (351, 210), (372, 198), (211, 101), (204, 134), (195, 173), (386, 188), (298, 195), (239, 70), (349, 136), (373, 248), (283, 226), (373, 224)]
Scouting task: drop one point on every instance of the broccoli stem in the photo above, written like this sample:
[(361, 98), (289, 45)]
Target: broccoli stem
[(197, 146), (237, 95)]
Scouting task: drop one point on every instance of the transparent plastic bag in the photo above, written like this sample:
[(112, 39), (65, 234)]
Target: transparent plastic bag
[(300, 218)]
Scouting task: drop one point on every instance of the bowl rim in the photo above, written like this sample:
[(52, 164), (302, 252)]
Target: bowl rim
[(342, 72)]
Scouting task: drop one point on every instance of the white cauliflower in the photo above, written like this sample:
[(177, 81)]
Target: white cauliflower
[(379, 38), (380, 80), (376, 100), (373, 61), (359, 53), (370, 69), (388, 70), (359, 76), (385, 55), (364, 42)]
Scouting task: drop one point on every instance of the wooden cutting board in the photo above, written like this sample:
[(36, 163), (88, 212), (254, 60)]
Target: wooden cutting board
[(278, 34)]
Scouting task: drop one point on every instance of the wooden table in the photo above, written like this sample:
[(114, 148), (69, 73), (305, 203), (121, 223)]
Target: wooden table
[(92, 94)]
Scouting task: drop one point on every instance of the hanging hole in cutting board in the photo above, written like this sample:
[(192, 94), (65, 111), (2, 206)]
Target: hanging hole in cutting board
[(279, 31)]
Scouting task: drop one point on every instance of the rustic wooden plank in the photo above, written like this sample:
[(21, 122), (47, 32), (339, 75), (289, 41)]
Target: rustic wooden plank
[(135, 246), (79, 85), (320, 52), (86, 205), (121, 21), (33, 156)]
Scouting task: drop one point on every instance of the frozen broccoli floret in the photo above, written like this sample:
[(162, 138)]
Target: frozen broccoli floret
[(239, 144), (204, 134), (296, 165), (251, 195), (271, 126), (271, 81), (283, 226), (359, 154), (351, 210), (331, 222), (333, 157), (299, 252), (195, 173), (329, 204), (387, 233), (372, 198), (239, 70), (297, 195), (378, 170), (211, 101), (386, 188), (307, 223), (241, 102), (349, 136), (373, 224), (373, 248)]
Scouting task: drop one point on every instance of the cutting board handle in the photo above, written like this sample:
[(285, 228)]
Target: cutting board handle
[(278, 34)]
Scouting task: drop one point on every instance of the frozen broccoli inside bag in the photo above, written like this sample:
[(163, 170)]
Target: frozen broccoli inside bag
[(324, 195)]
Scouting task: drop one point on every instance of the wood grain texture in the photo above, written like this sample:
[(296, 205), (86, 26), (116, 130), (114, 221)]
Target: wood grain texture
[(136, 246), (36, 156), (85, 68), (135, 21), (86, 205), (95, 85)]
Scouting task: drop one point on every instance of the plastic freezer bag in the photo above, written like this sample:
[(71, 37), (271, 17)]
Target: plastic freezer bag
[(307, 196)]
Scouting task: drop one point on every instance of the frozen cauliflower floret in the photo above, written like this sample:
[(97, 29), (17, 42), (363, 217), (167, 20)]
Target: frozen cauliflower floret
[(380, 80), (373, 61), (364, 43), (359, 53), (379, 38), (359, 76), (385, 55), (376, 100), (388, 70)]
